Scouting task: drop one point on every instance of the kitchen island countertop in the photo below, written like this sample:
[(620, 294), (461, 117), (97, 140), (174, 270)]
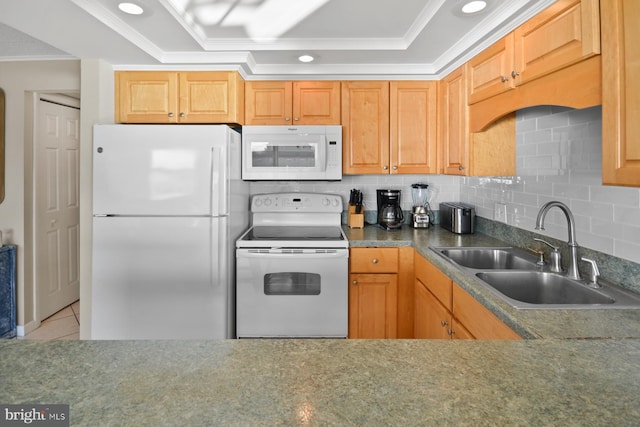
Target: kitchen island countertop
[(329, 382), (552, 323)]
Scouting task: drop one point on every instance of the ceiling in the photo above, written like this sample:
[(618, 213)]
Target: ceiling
[(263, 38)]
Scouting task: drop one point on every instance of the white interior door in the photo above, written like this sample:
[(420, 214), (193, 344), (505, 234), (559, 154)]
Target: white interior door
[(57, 207)]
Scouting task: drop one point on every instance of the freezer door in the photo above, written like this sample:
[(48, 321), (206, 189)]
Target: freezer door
[(160, 278), (160, 170)]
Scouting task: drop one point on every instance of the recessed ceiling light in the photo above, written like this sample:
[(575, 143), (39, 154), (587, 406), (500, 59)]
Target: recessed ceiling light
[(474, 6), (305, 58), (130, 8)]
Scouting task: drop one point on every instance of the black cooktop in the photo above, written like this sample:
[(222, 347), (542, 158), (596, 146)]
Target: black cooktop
[(273, 232)]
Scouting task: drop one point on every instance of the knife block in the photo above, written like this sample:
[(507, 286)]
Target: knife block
[(355, 220)]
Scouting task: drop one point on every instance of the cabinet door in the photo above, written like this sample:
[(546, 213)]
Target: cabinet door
[(459, 332), (146, 97), (316, 103), (620, 92), (413, 127), (479, 321), (268, 102), (211, 97), (489, 72), (563, 34), (432, 320), (454, 135), (365, 127), (373, 305)]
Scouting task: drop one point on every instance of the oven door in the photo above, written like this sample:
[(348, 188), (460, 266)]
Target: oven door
[(292, 292)]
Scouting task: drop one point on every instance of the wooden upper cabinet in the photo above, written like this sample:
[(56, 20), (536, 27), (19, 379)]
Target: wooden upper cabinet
[(566, 32), (453, 123), (146, 97), (620, 92), (285, 103), (316, 103), (489, 72), (365, 127), (413, 121), (179, 97), (211, 97)]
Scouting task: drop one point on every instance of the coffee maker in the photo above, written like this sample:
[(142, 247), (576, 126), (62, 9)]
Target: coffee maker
[(389, 211)]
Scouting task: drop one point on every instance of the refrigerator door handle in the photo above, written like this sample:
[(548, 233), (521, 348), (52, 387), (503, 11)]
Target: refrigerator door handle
[(219, 182)]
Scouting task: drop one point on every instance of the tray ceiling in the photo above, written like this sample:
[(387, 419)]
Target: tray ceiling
[(263, 38)]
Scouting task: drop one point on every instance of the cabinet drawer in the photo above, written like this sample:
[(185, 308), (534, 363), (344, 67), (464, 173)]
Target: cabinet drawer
[(436, 281), (374, 260)]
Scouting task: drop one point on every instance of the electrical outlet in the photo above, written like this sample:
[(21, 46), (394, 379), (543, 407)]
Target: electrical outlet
[(500, 212)]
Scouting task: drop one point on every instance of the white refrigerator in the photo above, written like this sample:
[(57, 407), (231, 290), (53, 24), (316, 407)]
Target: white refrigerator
[(168, 206)]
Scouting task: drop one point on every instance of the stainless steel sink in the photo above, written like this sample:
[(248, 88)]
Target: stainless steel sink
[(489, 258), (513, 275), (536, 287)]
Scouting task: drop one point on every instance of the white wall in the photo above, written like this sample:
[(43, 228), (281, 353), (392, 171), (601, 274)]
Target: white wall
[(559, 157), (97, 106), (17, 79)]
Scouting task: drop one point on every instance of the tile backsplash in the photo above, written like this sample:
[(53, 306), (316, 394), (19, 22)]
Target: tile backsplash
[(559, 157), (443, 188)]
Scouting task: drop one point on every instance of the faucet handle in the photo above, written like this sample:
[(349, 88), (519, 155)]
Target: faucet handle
[(555, 248), (556, 256), (595, 273), (540, 254)]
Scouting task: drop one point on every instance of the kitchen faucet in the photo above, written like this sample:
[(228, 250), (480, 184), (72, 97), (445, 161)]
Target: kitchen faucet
[(572, 270)]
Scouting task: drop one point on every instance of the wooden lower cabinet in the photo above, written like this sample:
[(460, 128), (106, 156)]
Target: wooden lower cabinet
[(443, 310), (479, 321), (373, 305), (381, 292)]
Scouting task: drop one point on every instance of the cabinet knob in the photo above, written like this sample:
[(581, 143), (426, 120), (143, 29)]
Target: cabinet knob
[(460, 168), (514, 74), (182, 115), (450, 332), (355, 282), (395, 168), (375, 260), (170, 114), (443, 323), (295, 119), (287, 118), (504, 79), (385, 167)]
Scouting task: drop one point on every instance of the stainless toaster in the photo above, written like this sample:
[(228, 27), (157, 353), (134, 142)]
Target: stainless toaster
[(457, 217)]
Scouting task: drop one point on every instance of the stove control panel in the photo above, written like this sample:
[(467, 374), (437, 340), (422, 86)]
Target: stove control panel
[(297, 202)]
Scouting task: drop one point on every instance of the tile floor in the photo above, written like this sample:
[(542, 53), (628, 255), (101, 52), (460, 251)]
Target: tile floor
[(64, 325)]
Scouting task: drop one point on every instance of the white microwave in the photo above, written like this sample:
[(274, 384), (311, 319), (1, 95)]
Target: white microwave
[(292, 153)]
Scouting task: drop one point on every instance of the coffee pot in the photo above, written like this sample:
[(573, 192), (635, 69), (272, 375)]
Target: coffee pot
[(389, 211)]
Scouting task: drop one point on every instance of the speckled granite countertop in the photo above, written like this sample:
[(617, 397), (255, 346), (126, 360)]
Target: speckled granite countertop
[(329, 382), (555, 323)]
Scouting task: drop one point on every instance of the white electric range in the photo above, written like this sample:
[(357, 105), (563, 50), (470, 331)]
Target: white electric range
[(292, 268)]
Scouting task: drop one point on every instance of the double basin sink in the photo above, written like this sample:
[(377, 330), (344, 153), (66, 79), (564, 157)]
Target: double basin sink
[(513, 275)]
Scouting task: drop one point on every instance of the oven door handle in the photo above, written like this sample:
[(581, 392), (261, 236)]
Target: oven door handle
[(279, 253)]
